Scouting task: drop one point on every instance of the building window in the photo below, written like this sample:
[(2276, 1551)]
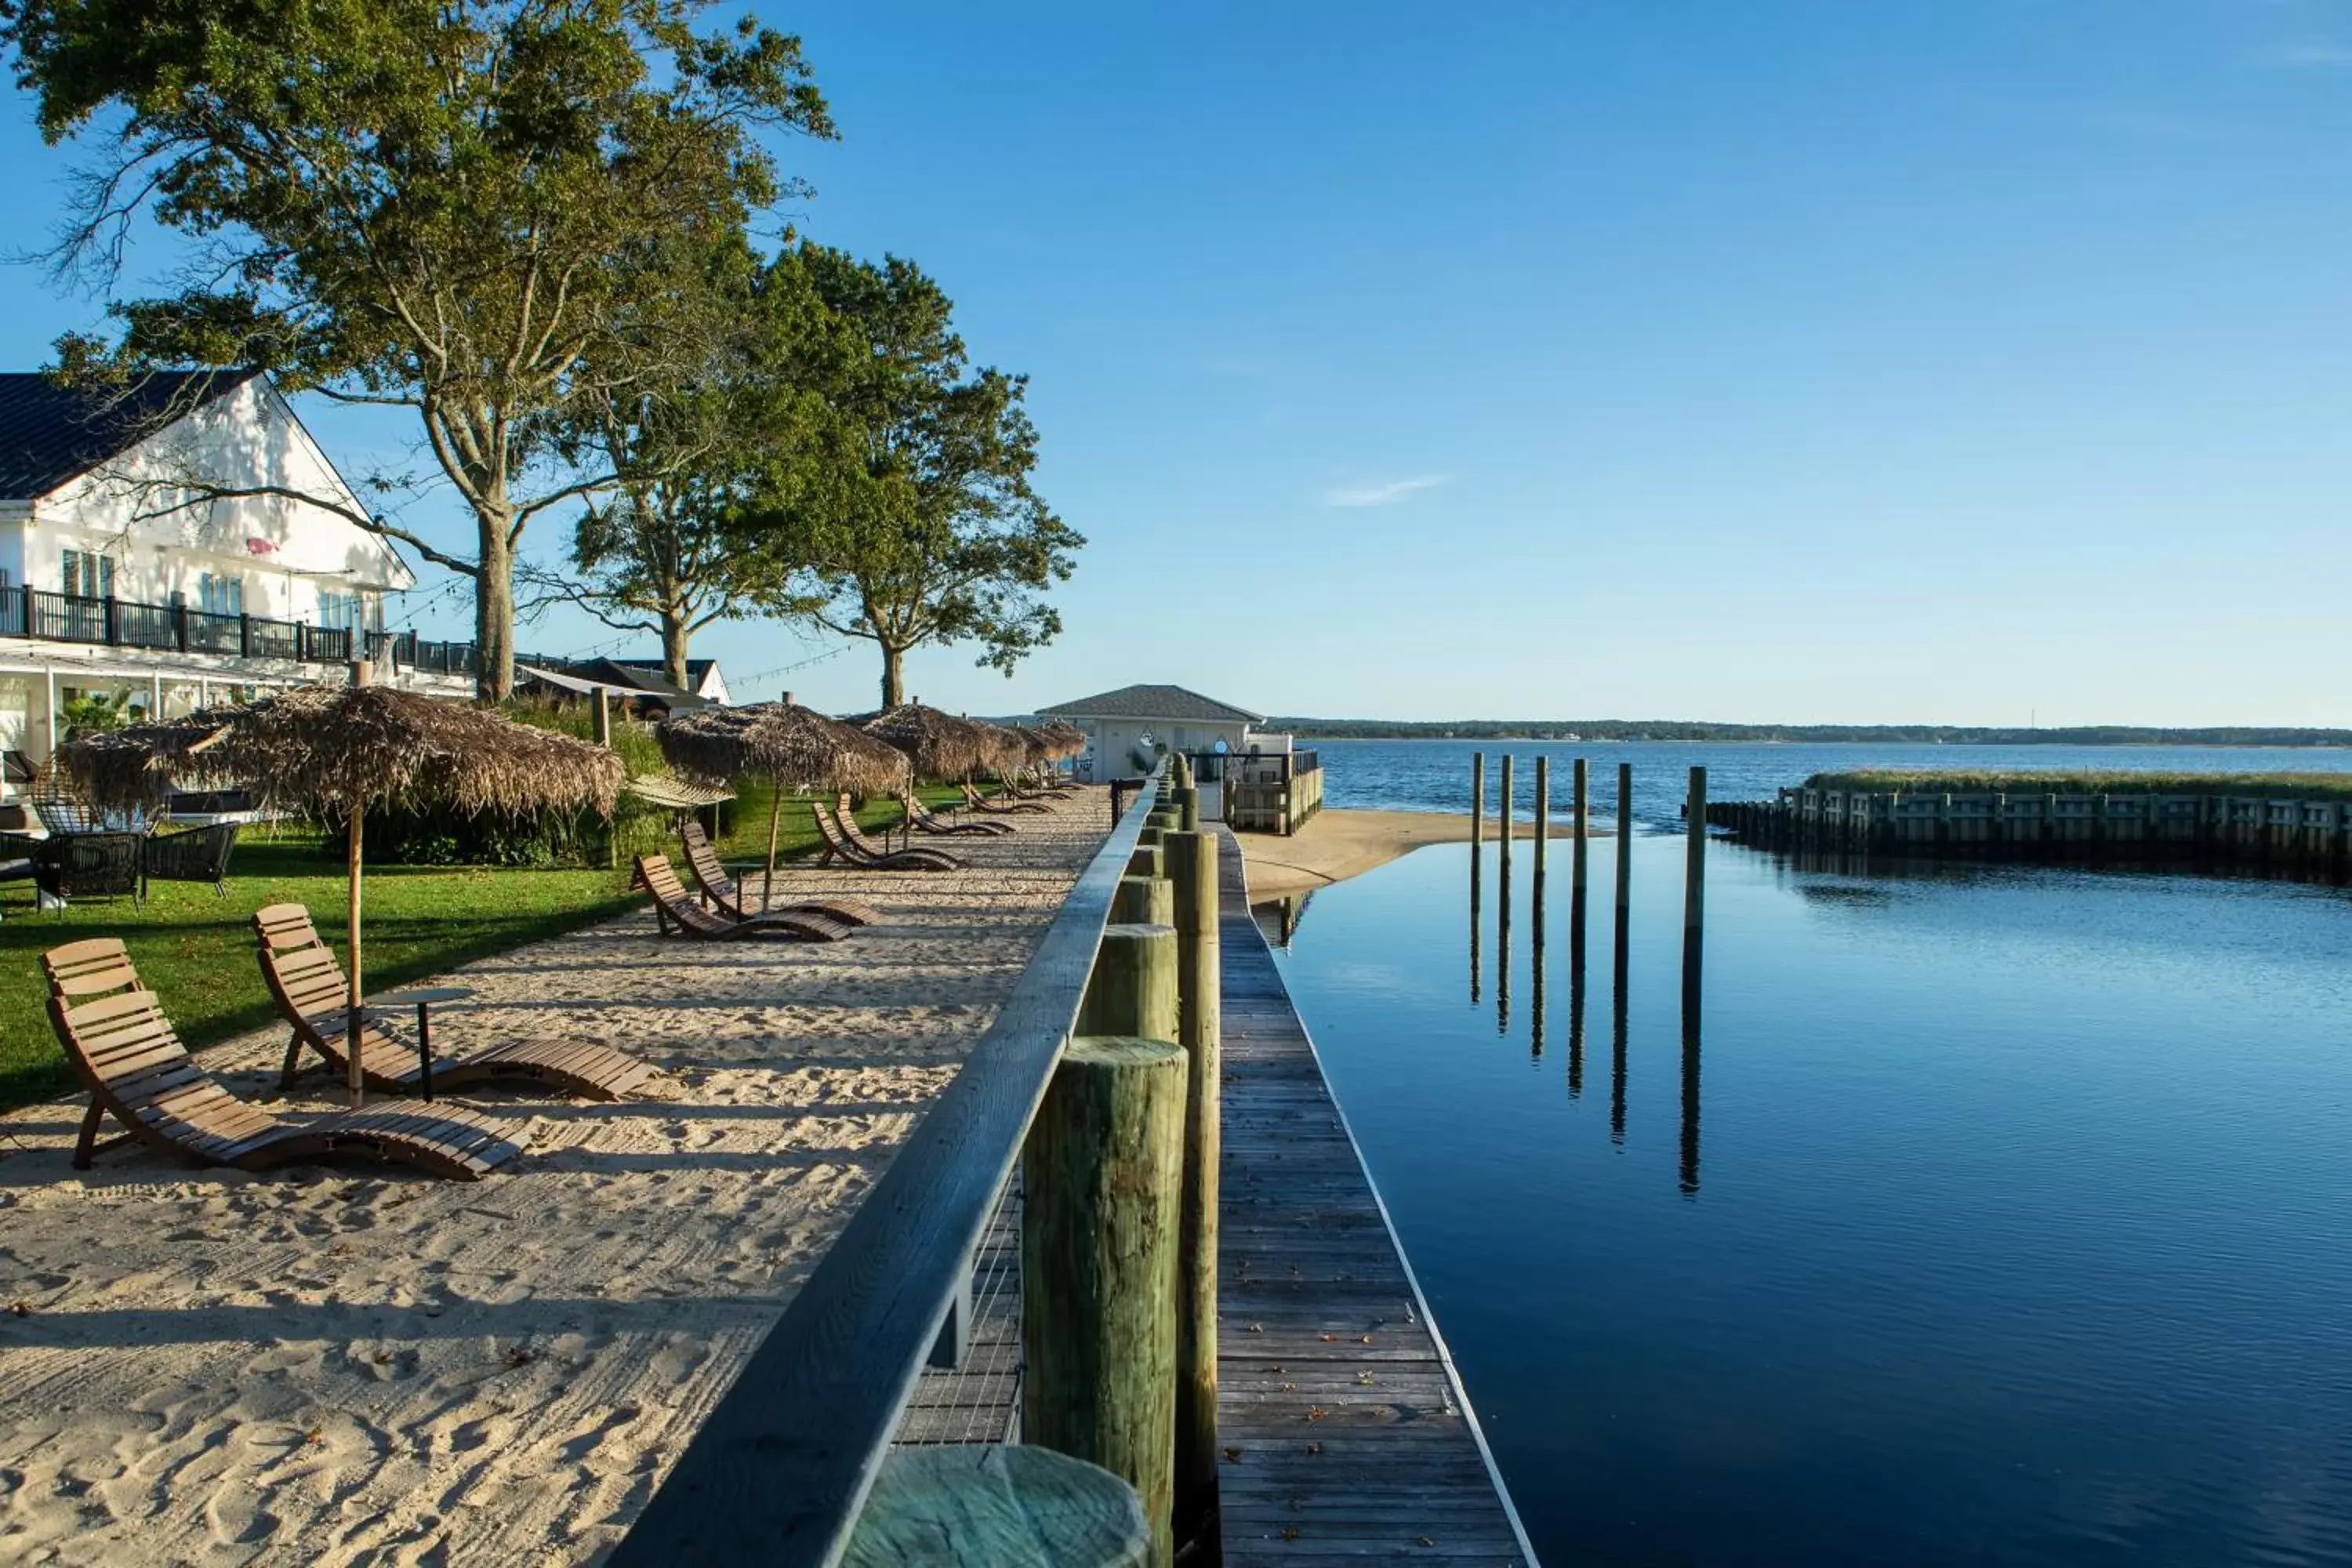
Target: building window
[(347, 611), (89, 574), (218, 595)]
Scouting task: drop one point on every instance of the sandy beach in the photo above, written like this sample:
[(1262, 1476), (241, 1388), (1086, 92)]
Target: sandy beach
[(1336, 845), (357, 1365)]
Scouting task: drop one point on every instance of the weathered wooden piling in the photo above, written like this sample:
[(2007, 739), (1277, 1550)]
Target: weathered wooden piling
[(1624, 842), (943, 1505), (1583, 810), (1695, 862), (1102, 1184), (1193, 871), (1144, 901), (1477, 803), (1543, 819), (1145, 859), (1187, 799)]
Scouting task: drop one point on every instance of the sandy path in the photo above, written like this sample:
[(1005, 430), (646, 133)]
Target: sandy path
[(1336, 845), (351, 1365)]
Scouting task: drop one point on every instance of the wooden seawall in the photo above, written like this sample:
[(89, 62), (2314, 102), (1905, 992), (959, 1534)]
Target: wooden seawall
[(1343, 1429), (2311, 834)]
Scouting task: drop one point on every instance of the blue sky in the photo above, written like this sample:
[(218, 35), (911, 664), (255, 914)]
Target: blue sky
[(1732, 359)]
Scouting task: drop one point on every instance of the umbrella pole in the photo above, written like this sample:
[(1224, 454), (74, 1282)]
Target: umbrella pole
[(351, 1039), (775, 815)]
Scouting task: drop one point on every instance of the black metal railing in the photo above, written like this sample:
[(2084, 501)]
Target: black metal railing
[(175, 628), (778, 1472)]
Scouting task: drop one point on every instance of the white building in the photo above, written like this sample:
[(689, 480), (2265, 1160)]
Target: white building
[(1128, 729), (115, 582)]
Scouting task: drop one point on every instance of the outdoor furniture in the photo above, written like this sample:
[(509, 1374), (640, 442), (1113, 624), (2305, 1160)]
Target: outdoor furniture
[(725, 893), (979, 802), (677, 912), (313, 996), (838, 826), (194, 855), (127, 1055), (95, 865), (61, 814), (919, 820)]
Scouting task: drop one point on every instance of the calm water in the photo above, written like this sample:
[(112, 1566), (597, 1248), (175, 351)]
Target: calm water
[(1993, 1215), (1434, 775)]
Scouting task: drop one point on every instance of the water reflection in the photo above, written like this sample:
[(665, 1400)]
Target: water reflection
[(1576, 979), (1477, 857), (1536, 956), (1620, 963), (1691, 997)]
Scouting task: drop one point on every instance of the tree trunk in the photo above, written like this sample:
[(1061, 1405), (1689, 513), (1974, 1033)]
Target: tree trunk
[(494, 610), (673, 635), (894, 675)]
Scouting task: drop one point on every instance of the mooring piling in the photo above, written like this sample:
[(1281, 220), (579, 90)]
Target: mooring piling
[(1103, 1183)]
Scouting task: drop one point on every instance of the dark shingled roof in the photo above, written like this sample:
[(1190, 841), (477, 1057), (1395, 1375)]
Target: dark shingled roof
[(696, 670), (1154, 703), (51, 433)]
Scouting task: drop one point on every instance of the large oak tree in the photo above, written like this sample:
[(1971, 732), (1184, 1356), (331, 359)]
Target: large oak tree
[(448, 206), (917, 516)]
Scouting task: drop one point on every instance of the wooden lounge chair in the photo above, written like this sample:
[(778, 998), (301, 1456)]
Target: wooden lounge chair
[(124, 1051), (679, 912), (919, 820), (842, 837), (307, 981), (723, 892), (980, 802)]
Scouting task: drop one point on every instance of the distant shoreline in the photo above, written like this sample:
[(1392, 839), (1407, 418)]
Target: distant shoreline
[(1669, 731)]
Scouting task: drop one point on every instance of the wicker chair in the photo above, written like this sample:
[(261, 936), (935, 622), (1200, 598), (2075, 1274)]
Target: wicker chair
[(193, 855), (97, 865)]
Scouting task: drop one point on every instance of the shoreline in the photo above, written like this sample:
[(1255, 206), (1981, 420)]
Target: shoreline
[(1335, 846)]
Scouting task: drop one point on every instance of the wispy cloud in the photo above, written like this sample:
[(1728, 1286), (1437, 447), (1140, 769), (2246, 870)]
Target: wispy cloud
[(2307, 56), (1385, 494)]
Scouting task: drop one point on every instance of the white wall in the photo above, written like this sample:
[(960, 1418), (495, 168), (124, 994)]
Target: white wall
[(1115, 742), (284, 550)]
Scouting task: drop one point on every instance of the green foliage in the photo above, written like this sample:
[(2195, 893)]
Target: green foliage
[(917, 518), (462, 208), (1929, 781), (94, 713)]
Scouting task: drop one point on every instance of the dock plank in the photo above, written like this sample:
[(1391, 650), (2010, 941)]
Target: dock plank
[(1342, 1429)]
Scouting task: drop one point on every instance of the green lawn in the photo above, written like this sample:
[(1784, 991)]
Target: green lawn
[(2274, 786), (197, 950)]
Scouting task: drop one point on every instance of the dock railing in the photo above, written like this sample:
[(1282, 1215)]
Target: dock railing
[(780, 1470)]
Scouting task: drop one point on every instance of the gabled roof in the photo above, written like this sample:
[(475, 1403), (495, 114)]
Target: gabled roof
[(1154, 703), (52, 434), (698, 670)]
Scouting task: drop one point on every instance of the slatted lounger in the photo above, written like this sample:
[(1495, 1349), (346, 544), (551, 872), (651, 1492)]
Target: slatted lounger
[(679, 912), (307, 981), (124, 1051), (981, 803), (842, 837), (920, 820), (725, 892)]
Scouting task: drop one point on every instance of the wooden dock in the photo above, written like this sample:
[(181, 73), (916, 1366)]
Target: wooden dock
[(1343, 1429)]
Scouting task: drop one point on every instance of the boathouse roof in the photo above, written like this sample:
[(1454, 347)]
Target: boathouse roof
[(1154, 703)]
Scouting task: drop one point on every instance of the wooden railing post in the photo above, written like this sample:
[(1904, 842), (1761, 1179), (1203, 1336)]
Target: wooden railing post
[(1200, 968), (1186, 800), (1144, 901), (1103, 1174)]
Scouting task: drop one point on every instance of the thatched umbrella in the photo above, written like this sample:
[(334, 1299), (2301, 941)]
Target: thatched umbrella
[(792, 746), (1008, 753), (941, 745), (346, 752)]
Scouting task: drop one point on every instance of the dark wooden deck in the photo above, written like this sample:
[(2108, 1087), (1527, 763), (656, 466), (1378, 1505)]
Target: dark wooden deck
[(1344, 1430)]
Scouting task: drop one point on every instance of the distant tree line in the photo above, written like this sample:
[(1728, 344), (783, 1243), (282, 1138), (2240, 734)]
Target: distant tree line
[(1819, 734), (550, 233)]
